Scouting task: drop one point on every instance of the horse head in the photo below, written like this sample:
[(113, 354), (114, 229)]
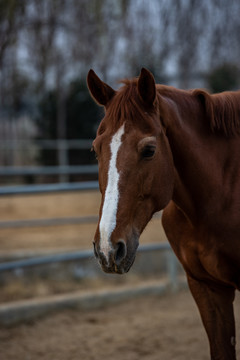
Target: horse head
[(135, 166)]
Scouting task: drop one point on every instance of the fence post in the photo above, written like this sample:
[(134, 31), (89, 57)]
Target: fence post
[(62, 148)]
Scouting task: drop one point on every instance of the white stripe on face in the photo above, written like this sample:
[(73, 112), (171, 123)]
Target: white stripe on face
[(109, 210)]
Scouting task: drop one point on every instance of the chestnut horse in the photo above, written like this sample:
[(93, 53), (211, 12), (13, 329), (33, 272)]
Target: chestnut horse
[(163, 148)]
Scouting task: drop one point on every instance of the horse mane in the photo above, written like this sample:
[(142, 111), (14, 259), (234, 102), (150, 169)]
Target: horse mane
[(124, 101), (126, 104), (222, 110)]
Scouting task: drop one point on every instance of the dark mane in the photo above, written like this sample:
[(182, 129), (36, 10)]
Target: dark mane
[(126, 104), (223, 111)]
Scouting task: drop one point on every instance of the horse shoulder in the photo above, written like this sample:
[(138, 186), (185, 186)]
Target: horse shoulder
[(204, 254), (180, 233)]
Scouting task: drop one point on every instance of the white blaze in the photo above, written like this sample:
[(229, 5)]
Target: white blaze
[(110, 205)]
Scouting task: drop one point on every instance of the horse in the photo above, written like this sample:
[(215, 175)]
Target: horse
[(162, 148)]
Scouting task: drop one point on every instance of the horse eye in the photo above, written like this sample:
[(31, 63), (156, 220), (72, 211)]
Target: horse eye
[(148, 151)]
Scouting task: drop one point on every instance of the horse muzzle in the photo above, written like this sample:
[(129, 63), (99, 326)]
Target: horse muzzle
[(119, 258)]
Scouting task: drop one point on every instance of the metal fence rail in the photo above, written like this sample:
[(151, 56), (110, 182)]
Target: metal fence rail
[(13, 224), (70, 256), (14, 151), (48, 170), (80, 144), (48, 188)]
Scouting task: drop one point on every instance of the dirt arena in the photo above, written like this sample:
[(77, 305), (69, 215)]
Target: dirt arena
[(148, 328)]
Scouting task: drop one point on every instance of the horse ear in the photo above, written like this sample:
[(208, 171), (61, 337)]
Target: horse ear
[(147, 87), (101, 92)]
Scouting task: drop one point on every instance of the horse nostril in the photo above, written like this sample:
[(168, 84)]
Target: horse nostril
[(120, 252), (95, 250)]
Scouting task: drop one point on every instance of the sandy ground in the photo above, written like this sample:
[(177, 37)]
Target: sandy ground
[(149, 328), (66, 237)]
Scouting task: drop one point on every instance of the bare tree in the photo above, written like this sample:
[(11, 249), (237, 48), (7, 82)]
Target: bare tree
[(11, 16), (64, 38)]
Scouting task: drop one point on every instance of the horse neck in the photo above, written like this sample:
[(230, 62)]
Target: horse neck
[(197, 155)]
